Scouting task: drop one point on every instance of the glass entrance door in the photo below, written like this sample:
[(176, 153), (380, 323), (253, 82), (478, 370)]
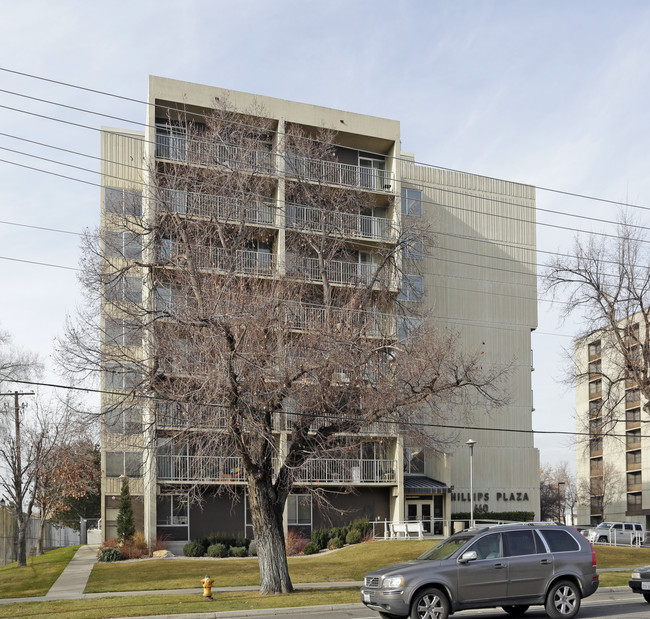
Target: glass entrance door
[(418, 510)]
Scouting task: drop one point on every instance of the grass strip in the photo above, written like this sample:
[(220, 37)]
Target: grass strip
[(37, 577), (144, 605)]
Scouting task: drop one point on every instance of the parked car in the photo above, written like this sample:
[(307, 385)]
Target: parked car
[(640, 582), (513, 566), (622, 533)]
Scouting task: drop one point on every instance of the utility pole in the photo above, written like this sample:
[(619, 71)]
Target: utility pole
[(18, 489)]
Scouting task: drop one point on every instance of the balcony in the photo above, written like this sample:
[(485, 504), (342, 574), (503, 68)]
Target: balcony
[(174, 144), (240, 261), (337, 272), (191, 416), (312, 317), (309, 219), (224, 208), (332, 172), (354, 471), (205, 469)]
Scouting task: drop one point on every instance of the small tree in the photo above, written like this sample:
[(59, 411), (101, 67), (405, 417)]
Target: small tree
[(125, 523)]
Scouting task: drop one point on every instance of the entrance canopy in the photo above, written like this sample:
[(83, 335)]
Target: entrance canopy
[(417, 484)]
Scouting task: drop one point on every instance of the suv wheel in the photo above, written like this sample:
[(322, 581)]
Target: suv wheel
[(516, 610), (646, 597), (563, 600), (430, 604), (602, 538)]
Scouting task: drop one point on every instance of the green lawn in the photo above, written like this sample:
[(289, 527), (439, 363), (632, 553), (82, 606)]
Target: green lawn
[(621, 556), (349, 563), (143, 605), (39, 575)]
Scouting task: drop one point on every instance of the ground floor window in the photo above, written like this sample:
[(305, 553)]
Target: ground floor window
[(172, 510), (299, 510)]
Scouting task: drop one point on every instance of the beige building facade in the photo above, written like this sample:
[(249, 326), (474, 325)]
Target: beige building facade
[(613, 456), (478, 278)]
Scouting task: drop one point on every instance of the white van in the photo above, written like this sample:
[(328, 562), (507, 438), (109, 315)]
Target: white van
[(619, 533)]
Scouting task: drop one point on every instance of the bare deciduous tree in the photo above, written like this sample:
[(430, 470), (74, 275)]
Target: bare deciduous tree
[(607, 279), (243, 306), (557, 492), (603, 489)]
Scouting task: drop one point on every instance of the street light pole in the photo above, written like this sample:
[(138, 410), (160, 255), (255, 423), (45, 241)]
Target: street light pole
[(470, 443)]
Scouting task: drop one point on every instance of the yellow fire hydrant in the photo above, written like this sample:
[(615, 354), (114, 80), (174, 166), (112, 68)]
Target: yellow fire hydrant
[(207, 586)]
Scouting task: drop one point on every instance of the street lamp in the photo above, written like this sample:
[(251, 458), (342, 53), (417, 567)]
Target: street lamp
[(470, 443), (4, 531), (560, 497)]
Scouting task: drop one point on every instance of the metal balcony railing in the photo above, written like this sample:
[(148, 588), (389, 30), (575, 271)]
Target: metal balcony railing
[(349, 471), (335, 173), (190, 416), (225, 208), (200, 468), (248, 262), (174, 144), (334, 222), (337, 272), (309, 317)]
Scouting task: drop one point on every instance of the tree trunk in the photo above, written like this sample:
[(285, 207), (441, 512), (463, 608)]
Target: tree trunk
[(266, 513), (41, 535), (21, 549)]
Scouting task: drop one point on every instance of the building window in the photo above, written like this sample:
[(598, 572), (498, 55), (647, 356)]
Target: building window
[(595, 445), (412, 288), (633, 439), (632, 395), (595, 387), (594, 349), (172, 510), (596, 466), (634, 479), (126, 245), (633, 415), (120, 332), (411, 202), (414, 460), (120, 288), (633, 457), (595, 367), (127, 463), (594, 407), (299, 509), (121, 378), (407, 325), (122, 201), (634, 499), (119, 420)]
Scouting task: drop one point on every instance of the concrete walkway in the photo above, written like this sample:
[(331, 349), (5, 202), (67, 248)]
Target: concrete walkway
[(72, 581)]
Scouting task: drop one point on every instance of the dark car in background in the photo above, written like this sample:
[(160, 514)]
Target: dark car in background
[(640, 582), (514, 566)]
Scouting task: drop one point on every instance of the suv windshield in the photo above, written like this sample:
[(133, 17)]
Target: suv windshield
[(604, 525), (445, 549)]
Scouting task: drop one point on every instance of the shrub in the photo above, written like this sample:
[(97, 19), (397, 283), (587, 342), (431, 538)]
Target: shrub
[(335, 542), (110, 554), (160, 543), (353, 537), (252, 549), (238, 551), (225, 539), (363, 526), (311, 548), (217, 550), (320, 537), (194, 549), (111, 542), (294, 543)]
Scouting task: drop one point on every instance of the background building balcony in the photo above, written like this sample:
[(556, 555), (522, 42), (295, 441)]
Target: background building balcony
[(338, 272), (203, 469), (346, 471)]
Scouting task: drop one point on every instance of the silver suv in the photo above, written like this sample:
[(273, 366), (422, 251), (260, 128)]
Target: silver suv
[(622, 533), (513, 566)]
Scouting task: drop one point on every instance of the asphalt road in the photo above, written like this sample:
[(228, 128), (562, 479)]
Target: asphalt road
[(613, 605)]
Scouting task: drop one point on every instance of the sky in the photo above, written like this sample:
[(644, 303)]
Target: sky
[(551, 94)]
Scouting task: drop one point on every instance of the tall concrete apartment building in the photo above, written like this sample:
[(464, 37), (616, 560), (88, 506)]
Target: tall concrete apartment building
[(613, 465), (478, 278)]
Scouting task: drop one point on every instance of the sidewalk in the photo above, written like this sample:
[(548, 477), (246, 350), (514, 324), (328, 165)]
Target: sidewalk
[(72, 581)]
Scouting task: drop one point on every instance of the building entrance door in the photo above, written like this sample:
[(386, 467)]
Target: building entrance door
[(429, 511)]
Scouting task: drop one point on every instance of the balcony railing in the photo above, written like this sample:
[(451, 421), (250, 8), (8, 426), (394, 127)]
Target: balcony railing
[(373, 179), (174, 144), (225, 208), (337, 272), (353, 471), (310, 317), (248, 262), (191, 416), (334, 222), (207, 469)]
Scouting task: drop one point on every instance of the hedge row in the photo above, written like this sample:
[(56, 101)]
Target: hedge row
[(218, 545), (337, 536)]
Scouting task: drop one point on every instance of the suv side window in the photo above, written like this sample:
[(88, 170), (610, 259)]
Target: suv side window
[(488, 547), (560, 541), (629, 527), (519, 543), (618, 527)]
